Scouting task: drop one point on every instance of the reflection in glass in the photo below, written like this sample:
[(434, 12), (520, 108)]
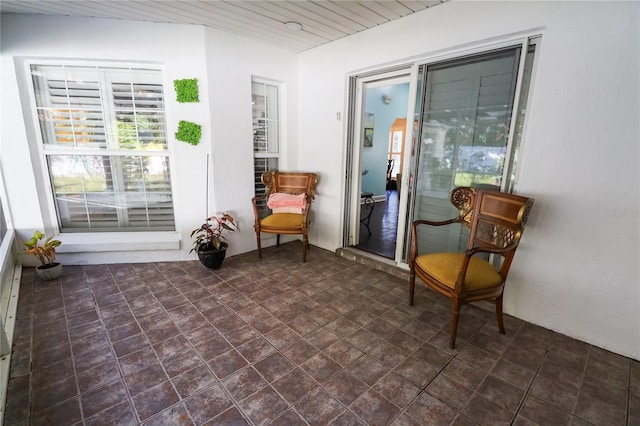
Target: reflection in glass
[(466, 117)]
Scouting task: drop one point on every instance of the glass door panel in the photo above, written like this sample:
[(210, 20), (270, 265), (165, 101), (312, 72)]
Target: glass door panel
[(464, 136)]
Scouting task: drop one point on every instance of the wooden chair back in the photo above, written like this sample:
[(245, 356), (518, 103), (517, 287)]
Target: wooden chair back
[(498, 220), (464, 198), (290, 183)]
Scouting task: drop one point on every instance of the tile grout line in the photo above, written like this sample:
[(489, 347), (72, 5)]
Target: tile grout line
[(180, 399), (250, 286), (121, 377), (73, 358), (343, 368), (530, 386)]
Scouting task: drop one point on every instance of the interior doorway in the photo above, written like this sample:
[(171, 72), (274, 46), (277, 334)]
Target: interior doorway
[(382, 108)]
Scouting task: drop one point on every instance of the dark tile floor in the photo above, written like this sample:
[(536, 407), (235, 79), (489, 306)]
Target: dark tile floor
[(276, 341), (383, 225)]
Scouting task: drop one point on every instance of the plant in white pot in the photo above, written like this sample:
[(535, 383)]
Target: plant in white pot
[(208, 239), (44, 249)]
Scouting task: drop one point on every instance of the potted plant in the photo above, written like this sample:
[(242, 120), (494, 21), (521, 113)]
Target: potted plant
[(208, 239), (45, 250)]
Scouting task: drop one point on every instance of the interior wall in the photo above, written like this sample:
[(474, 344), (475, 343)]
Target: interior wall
[(223, 65), (374, 158), (232, 62), (576, 270)]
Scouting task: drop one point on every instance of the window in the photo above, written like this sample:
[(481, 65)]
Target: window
[(396, 146), (266, 133), (105, 147)]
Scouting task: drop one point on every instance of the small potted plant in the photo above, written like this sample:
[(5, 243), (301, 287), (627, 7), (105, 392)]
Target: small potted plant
[(45, 250), (208, 240)]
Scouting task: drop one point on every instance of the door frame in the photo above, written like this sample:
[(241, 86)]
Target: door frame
[(410, 67), (357, 85)]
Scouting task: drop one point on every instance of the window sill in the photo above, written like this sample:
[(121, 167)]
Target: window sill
[(118, 241)]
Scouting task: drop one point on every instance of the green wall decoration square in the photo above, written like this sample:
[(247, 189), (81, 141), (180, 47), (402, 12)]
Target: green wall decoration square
[(186, 90), (188, 132)]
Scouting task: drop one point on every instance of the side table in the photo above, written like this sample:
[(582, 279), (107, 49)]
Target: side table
[(369, 204)]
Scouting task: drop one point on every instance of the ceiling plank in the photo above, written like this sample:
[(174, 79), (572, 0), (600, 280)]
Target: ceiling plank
[(389, 9), (349, 24), (260, 25), (417, 5), (322, 20), (366, 16), (286, 12)]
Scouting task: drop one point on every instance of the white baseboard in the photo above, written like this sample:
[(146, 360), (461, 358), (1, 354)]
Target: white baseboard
[(9, 322)]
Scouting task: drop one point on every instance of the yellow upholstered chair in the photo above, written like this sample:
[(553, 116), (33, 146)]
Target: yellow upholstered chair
[(289, 221), (496, 221)]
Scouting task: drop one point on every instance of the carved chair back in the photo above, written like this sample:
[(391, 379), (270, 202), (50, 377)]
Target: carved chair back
[(497, 223), (290, 183)]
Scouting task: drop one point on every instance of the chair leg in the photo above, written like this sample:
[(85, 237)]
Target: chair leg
[(305, 243), (412, 286), (277, 240), (499, 314), (259, 245), (454, 323)]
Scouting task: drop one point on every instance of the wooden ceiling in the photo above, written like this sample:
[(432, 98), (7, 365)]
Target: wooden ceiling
[(322, 20)]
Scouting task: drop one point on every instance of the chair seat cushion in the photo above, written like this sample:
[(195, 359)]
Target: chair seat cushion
[(445, 268), (283, 220)]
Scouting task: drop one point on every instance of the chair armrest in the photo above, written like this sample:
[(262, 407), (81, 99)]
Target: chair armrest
[(416, 223), (305, 212), (503, 250), (471, 252), (254, 204), (257, 198), (413, 253)]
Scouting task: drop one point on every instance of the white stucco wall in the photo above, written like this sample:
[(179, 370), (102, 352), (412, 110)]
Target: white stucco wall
[(231, 63), (576, 270), (223, 65)]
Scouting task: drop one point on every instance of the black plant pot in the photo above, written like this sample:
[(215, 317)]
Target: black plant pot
[(213, 258)]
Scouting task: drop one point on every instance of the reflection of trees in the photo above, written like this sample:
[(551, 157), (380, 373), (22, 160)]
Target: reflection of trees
[(137, 132), (447, 135), (96, 173), (468, 133), (90, 169)]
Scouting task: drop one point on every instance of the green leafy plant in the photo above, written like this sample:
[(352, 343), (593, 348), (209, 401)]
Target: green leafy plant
[(209, 236), (43, 248), (188, 132), (186, 90)]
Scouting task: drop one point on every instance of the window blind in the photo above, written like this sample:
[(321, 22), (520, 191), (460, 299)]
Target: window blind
[(104, 141), (266, 135)]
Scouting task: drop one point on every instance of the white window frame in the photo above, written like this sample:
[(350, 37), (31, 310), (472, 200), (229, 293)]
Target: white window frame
[(46, 191), (278, 155)]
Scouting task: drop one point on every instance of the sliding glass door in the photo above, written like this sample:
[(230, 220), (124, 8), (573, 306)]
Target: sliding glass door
[(464, 120), (468, 135)]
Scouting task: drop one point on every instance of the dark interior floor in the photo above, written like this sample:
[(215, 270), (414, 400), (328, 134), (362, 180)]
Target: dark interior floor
[(276, 341), (380, 237)]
